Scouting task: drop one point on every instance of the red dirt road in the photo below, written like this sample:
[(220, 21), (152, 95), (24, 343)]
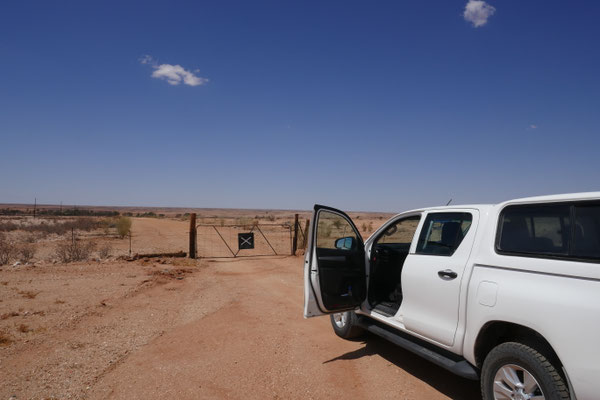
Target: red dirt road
[(220, 329), (257, 345)]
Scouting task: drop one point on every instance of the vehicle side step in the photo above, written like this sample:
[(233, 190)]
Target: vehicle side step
[(458, 366)]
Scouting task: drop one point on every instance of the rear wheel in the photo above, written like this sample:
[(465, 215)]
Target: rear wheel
[(514, 371), (345, 325)]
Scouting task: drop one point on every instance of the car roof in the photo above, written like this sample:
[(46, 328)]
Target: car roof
[(557, 197), (536, 199)]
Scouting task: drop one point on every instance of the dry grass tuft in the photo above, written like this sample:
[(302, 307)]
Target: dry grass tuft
[(7, 250), (55, 227), (105, 251), (74, 251), (24, 328), (5, 340), (27, 252), (28, 294), (10, 314)]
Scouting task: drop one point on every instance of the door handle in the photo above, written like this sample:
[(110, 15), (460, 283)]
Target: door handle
[(447, 274)]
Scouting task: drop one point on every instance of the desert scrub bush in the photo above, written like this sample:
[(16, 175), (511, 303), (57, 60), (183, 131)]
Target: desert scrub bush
[(74, 251), (7, 250), (5, 339), (123, 226), (325, 230), (26, 252), (105, 251), (28, 294), (106, 224), (50, 226), (30, 238), (246, 222), (8, 226)]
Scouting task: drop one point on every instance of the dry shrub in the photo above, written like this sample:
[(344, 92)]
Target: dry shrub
[(74, 251), (246, 222), (24, 328), (31, 238), (105, 251), (10, 314), (27, 252), (8, 226), (7, 250), (60, 228), (28, 294), (123, 226), (5, 340)]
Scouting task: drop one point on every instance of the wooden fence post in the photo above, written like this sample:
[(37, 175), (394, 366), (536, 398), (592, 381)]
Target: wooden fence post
[(193, 235), (295, 243), (305, 242)]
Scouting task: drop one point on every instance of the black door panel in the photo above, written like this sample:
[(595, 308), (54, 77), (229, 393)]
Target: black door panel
[(341, 277), (341, 269)]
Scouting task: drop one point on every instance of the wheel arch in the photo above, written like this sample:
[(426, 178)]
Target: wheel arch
[(494, 333)]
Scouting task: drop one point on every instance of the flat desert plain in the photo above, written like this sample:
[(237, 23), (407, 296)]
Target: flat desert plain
[(154, 328)]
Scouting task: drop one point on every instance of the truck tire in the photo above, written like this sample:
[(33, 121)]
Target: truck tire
[(345, 325), (516, 369)]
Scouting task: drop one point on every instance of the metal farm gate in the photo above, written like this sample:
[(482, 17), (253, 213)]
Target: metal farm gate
[(246, 239), (235, 240)]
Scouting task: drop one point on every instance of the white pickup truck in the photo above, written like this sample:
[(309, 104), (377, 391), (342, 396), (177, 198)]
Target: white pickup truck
[(507, 293)]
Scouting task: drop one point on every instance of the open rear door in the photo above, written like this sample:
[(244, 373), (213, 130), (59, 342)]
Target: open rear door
[(334, 266)]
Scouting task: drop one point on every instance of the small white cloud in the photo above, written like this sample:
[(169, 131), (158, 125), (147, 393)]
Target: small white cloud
[(533, 126), (477, 12), (147, 59), (176, 74), (173, 74)]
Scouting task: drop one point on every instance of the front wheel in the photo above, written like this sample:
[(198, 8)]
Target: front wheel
[(345, 325), (514, 371)]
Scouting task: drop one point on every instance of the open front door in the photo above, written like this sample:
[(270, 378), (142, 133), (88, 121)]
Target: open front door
[(334, 266)]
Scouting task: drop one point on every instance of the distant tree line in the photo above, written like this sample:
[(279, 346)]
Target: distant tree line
[(67, 212), (149, 214)]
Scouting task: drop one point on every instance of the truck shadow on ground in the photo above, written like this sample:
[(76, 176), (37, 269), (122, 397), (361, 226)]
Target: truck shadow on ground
[(438, 378)]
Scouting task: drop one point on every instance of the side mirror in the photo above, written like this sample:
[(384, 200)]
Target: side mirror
[(345, 243)]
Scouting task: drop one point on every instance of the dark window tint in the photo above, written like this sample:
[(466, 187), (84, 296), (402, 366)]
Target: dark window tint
[(543, 230), (442, 233), (586, 241)]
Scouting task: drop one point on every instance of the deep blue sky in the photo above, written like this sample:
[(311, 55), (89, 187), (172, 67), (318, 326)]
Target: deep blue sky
[(360, 105)]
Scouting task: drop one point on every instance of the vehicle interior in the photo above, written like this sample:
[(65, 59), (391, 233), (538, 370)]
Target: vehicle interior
[(388, 254)]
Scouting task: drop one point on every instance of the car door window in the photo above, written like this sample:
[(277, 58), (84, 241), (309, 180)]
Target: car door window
[(586, 241), (400, 233), (535, 229), (442, 233), (332, 227)]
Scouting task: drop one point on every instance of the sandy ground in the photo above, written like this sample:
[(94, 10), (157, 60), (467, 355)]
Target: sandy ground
[(185, 329)]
